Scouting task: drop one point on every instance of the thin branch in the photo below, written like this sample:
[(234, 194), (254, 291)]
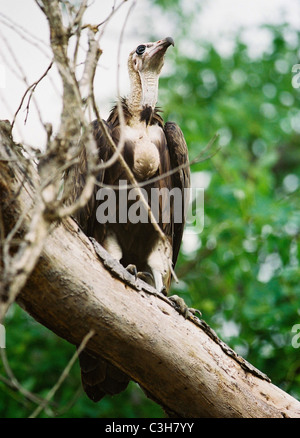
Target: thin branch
[(14, 383), (31, 88), (20, 68), (63, 376), (79, 14), (90, 65), (25, 34), (106, 20), (20, 76), (40, 5), (77, 22), (70, 403)]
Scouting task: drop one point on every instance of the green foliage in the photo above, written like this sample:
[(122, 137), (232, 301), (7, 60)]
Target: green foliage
[(244, 274), (243, 270)]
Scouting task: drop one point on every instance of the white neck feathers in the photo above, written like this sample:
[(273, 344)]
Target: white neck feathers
[(144, 91)]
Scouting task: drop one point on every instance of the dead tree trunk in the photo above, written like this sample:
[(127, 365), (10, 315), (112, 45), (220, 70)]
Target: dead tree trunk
[(179, 362)]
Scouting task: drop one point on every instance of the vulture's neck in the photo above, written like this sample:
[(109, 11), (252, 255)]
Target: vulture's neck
[(143, 91)]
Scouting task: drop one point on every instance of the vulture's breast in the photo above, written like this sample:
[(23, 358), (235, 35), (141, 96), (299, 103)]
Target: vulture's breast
[(144, 142)]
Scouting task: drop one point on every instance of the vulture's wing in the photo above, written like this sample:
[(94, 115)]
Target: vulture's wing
[(179, 156), (86, 217)]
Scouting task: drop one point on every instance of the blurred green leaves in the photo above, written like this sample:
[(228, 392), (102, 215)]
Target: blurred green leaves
[(247, 282)]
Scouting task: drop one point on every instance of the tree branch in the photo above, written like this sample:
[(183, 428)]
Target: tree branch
[(179, 362)]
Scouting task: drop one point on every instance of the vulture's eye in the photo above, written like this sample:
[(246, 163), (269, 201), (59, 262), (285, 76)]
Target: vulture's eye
[(140, 49)]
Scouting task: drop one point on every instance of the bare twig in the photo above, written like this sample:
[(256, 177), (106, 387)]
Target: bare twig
[(25, 34), (21, 75), (31, 88), (93, 54), (79, 14), (13, 381), (63, 376), (106, 20)]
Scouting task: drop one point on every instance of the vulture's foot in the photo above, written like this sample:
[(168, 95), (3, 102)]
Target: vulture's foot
[(132, 270), (145, 276), (164, 291), (182, 308)]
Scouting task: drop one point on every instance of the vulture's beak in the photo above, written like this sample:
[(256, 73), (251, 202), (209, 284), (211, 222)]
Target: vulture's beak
[(157, 52), (161, 47)]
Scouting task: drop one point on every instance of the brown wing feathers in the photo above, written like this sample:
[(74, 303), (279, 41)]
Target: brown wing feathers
[(178, 156)]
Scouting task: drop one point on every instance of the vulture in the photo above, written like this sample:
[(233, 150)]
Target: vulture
[(153, 150)]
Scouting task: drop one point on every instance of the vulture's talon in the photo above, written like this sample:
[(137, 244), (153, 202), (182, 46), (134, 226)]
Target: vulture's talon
[(181, 306), (164, 291), (194, 311), (132, 270), (146, 277)]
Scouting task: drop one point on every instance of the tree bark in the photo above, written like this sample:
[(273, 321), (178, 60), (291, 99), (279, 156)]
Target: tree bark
[(179, 362)]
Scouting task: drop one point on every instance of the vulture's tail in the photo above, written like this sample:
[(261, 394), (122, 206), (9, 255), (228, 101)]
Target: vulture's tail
[(100, 378)]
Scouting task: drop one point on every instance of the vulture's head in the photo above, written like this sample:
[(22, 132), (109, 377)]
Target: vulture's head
[(149, 57)]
